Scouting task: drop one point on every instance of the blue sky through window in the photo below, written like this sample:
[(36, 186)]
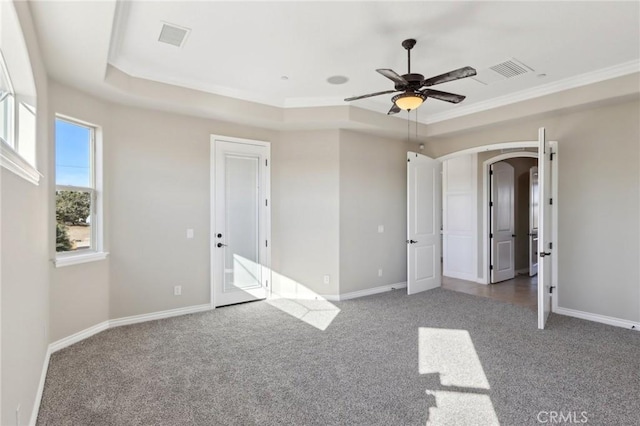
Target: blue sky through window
[(73, 154)]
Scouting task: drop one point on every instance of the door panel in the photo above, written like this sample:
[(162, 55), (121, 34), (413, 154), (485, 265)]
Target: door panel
[(544, 229), (502, 222), (424, 198), (533, 220), (241, 222)]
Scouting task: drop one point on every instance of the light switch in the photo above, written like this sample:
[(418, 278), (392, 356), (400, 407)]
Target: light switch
[(189, 233)]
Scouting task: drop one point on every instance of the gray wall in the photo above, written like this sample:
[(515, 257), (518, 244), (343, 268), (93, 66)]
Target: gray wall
[(25, 253), (599, 201), (373, 181)]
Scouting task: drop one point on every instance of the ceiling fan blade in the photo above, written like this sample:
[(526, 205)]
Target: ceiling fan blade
[(370, 95), (394, 110), (450, 76), (443, 96), (393, 76)]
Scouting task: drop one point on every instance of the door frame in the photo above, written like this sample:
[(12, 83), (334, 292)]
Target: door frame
[(554, 192), (486, 229), (212, 210)]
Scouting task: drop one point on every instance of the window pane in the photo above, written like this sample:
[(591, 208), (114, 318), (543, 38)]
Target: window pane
[(6, 116), (73, 154), (73, 217)]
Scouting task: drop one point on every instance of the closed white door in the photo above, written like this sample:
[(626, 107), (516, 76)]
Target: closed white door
[(533, 220), (544, 229), (240, 240), (424, 199), (502, 207)]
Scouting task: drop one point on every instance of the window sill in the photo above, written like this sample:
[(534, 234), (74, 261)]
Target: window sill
[(76, 259), (14, 162)]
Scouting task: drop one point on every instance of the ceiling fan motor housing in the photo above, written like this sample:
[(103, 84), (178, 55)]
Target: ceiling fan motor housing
[(414, 80)]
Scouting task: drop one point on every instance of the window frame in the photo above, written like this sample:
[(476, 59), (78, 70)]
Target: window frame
[(10, 157), (96, 250)]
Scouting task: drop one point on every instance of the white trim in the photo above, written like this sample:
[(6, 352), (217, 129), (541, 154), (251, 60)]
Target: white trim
[(491, 147), (14, 162), (212, 210), (40, 390), (617, 322), (159, 315), (77, 337), (554, 224), (536, 92), (485, 204), (71, 258), (367, 292)]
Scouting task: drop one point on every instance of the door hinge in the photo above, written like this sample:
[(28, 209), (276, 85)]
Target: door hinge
[(551, 289), (550, 246), (491, 267), (551, 156), (267, 283), (490, 172), (491, 235), (550, 201), (266, 163), (490, 203), (266, 243), (266, 203)]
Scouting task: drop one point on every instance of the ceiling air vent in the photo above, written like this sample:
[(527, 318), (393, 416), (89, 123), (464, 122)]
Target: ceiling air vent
[(173, 34), (507, 69)]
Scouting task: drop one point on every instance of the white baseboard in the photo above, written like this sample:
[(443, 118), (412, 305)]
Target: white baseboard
[(76, 337), (43, 376), (617, 322), (88, 332), (460, 276), (159, 315), (370, 291)]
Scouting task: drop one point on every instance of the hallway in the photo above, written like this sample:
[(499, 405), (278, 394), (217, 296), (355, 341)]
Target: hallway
[(521, 290)]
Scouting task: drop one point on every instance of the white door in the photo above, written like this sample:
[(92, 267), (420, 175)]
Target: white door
[(424, 199), (241, 225), (533, 220), (502, 234), (544, 229)]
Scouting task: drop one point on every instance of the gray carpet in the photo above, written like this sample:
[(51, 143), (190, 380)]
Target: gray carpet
[(253, 364)]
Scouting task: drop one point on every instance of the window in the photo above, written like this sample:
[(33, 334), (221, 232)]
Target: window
[(18, 99), (78, 195)]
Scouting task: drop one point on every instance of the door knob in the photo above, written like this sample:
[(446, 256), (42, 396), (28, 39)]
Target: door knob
[(513, 235), (221, 245), (411, 241)]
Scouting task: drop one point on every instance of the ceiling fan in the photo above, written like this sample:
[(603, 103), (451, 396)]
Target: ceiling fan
[(412, 85)]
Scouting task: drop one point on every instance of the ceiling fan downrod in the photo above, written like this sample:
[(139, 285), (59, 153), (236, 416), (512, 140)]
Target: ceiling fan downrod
[(408, 44)]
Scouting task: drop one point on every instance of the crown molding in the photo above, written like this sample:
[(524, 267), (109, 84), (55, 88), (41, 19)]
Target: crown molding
[(585, 79)]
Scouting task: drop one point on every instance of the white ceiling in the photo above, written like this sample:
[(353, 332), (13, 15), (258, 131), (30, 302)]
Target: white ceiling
[(242, 49)]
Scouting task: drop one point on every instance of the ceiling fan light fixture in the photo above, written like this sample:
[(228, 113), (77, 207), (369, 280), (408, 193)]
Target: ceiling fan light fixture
[(409, 100)]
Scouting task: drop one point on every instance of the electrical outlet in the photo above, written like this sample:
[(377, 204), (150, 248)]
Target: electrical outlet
[(326, 279), (177, 290), (189, 233), (380, 229), (380, 272)]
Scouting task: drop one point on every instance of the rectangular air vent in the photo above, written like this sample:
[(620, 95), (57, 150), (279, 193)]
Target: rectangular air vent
[(173, 34), (504, 70)]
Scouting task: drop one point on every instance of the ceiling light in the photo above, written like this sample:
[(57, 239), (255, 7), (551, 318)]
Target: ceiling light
[(409, 100)]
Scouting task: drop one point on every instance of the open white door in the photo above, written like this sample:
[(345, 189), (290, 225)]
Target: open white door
[(424, 199), (544, 229), (502, 235), (534, 196)]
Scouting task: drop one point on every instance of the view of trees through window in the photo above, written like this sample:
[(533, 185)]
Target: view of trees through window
[(74, 186)]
